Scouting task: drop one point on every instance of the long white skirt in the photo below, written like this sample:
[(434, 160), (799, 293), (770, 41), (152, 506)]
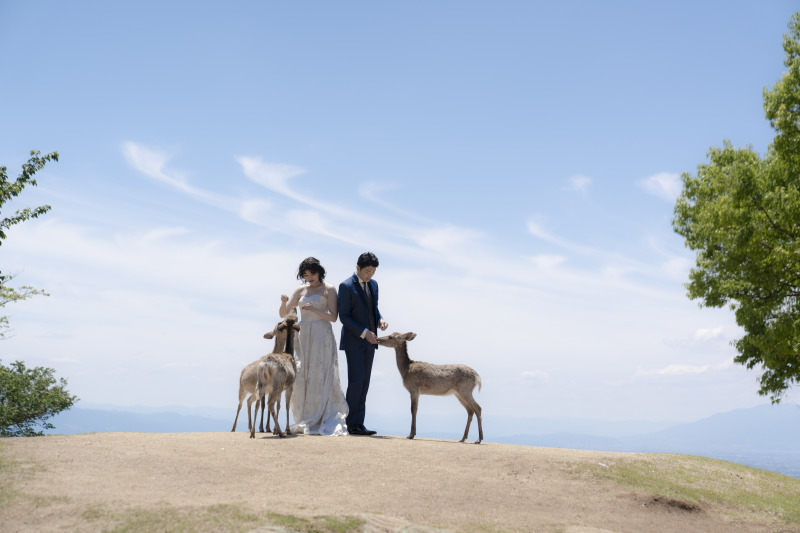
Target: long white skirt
[(318, 403)]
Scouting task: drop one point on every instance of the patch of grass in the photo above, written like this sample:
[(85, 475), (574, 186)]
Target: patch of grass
[(11, 471), (341, 525), (7, 492), (700, 480), (481, 528), (212, 518)]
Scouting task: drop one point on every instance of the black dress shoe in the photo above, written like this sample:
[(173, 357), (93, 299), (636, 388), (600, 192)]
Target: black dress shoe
[(355, 430), (367, 431)]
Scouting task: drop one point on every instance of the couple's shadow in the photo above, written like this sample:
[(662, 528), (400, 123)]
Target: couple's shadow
[(271, 435)]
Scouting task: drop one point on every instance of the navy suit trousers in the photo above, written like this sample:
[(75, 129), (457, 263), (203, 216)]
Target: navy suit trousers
[(359, 370)]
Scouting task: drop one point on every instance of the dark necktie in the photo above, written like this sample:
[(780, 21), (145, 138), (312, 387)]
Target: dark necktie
[(369, 305)]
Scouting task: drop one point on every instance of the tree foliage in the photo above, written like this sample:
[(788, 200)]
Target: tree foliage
[(741, 214), (28, 397), (8, 191)]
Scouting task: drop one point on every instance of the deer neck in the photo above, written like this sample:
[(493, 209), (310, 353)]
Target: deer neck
[(280, 343), (289, 341), (403, 362)]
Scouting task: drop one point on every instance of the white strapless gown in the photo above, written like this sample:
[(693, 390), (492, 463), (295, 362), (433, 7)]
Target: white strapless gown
[(318, 403)]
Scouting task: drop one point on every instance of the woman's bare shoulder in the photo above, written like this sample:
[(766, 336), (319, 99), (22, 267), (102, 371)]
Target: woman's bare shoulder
[(299, 290)]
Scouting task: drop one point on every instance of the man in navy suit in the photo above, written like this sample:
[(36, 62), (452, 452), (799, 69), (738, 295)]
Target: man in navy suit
[(358, 311)]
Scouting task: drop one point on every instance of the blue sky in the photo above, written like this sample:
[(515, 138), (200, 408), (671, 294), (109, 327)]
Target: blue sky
[(513, 165)]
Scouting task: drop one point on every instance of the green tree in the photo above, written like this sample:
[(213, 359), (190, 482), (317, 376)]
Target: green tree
[(28, 397), (741, 214), (8, 191)]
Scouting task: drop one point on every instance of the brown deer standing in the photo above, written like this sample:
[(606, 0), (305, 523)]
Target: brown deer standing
[(438, 380), (248, 379), (276, 373)]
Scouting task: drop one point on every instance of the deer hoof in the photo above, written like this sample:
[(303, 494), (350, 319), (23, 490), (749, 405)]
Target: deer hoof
[(411, 436)]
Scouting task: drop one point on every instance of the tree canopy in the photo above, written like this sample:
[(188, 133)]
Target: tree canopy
[(28, 397), (8, 191), (741, 214)]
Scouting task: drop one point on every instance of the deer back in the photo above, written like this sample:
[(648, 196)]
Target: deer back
[(440, 380)]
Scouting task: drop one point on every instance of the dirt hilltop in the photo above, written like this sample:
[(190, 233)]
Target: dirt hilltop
[(78, 482)]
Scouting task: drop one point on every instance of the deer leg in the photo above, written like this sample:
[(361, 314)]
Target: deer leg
[(237, 415), (253, 425), (288, 403), (278, 407), (256, 403), (469, 421), (468, 407), (477, 409), (261, 427), (414, 403), (276, 428), (250, 400)]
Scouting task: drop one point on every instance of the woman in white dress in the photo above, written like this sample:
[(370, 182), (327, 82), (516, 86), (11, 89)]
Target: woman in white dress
[(318, 403)]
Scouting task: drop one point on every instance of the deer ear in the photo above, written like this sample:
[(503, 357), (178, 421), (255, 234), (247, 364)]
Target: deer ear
[(269, 335), (409, 336), (296, 327)]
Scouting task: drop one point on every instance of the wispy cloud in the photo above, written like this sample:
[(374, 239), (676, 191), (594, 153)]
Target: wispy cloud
[(548, 261), (150, 162), (383, 195), (536, 375), (257, 211), (675, 370), (707, 334), (683, 370), (603, 270), (536, 229), (273, 176), (579, 183), (448, 238), (352, 224), (664, 185), (320, 223), (153, 163), (260, 211)]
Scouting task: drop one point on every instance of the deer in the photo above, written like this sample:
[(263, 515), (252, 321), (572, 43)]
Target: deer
[(276, 373), (438, 380), (248, 380)]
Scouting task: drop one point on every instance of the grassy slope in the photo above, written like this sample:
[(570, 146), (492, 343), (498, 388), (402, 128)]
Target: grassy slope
[(692, 481), (682, 481)]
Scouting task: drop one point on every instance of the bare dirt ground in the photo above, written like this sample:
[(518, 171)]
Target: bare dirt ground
[(394, 483)]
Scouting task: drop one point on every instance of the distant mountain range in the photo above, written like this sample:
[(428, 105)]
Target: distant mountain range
[(766, 436)]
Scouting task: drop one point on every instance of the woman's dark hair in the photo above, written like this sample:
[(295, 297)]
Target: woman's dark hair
[(367, 259), (311, 264)]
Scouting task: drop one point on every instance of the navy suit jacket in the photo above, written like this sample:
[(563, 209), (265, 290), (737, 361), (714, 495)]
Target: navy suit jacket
[(354, 312)]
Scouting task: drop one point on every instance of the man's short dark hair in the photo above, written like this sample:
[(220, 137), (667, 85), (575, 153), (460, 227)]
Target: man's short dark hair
[(367, 259)]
